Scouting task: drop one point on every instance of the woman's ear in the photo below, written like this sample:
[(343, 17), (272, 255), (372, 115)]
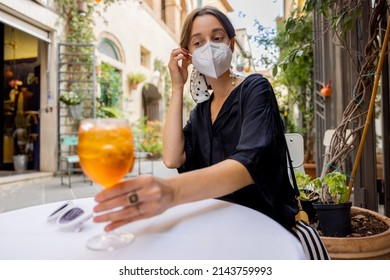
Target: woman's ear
[(232, 42)]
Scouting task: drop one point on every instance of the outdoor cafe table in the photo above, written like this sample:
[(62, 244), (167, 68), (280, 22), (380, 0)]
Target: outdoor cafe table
[(204, 230)]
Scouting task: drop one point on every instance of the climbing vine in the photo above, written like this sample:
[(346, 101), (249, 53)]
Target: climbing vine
[(79, 25)]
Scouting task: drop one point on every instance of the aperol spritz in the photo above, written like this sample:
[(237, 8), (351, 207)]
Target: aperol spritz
[(106, 154)]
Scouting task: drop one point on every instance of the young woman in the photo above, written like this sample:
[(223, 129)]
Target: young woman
[(232, 147)]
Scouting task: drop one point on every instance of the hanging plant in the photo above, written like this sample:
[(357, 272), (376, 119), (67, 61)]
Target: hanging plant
[(135, 78)]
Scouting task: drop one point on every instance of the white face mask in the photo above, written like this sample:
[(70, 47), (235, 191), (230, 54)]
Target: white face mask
[(212, 59)]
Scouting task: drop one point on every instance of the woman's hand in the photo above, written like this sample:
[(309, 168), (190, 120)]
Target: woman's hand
[(133, 199), (178, 67)]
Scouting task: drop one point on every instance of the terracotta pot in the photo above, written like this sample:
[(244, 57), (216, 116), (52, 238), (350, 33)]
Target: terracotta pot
[(375, 247), (310, 169), (134, 86)]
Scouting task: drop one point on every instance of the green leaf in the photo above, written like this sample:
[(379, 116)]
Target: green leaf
[(290, 24), (275, 70)]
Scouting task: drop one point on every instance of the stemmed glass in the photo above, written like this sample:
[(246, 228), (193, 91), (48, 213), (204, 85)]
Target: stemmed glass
[(106, 154)]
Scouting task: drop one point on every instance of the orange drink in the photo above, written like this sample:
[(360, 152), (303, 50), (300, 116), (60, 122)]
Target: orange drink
[(106, 151), (106, 154)]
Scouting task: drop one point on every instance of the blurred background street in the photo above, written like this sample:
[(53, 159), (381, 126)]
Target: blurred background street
[(15, 196)]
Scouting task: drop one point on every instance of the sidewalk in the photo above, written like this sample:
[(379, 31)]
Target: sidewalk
[(15, 196)]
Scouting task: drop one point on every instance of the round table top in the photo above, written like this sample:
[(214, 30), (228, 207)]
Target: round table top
[(204, 230)]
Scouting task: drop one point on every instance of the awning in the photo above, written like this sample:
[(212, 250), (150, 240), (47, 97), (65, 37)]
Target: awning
[(150, 92), (24, 26)]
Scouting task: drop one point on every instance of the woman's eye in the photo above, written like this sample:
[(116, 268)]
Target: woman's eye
[(198, 44), (218, 39)]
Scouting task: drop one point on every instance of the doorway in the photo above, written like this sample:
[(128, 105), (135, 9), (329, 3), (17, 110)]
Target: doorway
[(20, 100)]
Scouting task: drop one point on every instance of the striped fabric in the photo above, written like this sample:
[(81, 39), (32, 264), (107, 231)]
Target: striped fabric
[(311, 241)]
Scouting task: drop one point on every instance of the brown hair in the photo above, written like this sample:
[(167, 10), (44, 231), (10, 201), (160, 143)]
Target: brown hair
[(207, 10)]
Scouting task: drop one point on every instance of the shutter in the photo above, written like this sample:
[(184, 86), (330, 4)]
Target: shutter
[(24, 26)]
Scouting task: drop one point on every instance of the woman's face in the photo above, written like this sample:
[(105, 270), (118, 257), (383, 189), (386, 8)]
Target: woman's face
[(206, 28)]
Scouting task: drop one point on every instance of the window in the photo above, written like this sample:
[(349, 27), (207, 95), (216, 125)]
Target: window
[(145, 57), (163, 15), (109, 49)]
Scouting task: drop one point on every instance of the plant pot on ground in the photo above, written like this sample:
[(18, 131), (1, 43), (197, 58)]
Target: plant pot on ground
[(307, 195), (20, 162), (310, 169), (334, 219), (373, 243), (334, 208)]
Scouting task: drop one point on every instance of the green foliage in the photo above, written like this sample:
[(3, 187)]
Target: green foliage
[(165, 79), (111, 90), (148, 136), (341, 16), (333, 188), (305, 188), (79, 27), (337, 187), (296, 73), (303, 180), (109, 112), (136, 78), (70, 98)]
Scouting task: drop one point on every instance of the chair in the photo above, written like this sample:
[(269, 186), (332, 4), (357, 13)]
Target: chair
[(296, 149), (139, 156), (327, 139), (70, 158)]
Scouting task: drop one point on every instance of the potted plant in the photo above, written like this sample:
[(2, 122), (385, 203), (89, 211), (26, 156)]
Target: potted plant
[(338, 18), (307, 194), (135, 78), (334, 207), (24, 140), (73, 101), (148, 137)]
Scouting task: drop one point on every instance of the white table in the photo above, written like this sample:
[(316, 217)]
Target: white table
[(206, 230)]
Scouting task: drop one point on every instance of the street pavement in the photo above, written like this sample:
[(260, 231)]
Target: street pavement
[(15, 196)]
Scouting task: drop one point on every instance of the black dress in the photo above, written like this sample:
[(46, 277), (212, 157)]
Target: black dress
[(252, 135)]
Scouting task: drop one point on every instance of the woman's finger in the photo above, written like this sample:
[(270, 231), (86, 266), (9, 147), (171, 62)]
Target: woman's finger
[(125, 199), (124, 187), (129, 214), (176, 52)]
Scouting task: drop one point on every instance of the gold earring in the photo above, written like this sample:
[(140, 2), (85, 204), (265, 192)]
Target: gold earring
[(232, 75)]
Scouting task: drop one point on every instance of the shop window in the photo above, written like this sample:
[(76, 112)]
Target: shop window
[(20, 100), (145, 57)]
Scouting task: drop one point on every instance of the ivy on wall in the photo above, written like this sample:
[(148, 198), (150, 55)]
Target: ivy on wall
[(79, 25)]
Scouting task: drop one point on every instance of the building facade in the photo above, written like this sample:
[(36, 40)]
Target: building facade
[(132, 37)]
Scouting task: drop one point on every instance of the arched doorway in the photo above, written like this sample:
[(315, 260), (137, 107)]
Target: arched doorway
[(151, 102)]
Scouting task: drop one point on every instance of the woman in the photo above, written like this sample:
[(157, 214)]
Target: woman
[(232, 147)]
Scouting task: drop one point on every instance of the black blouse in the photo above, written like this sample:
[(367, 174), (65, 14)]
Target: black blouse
[(248, 129)]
